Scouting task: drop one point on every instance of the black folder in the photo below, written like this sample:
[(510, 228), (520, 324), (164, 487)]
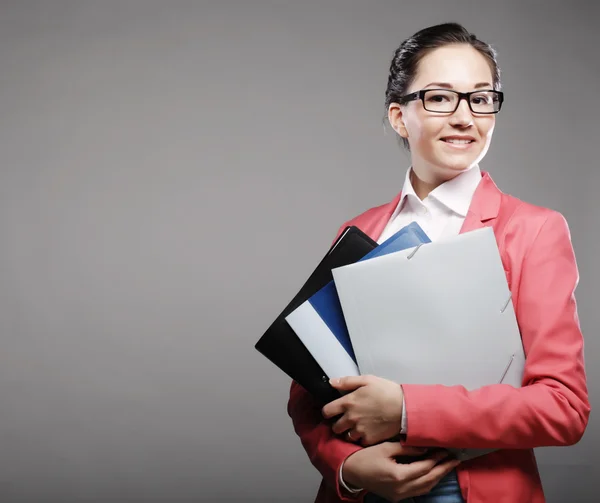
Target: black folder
[(281, 345)]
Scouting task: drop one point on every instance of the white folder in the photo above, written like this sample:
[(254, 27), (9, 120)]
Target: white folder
[(439, 313), (320, 341)]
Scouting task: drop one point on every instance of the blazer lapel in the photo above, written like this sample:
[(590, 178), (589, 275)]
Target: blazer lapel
[(485, 205)]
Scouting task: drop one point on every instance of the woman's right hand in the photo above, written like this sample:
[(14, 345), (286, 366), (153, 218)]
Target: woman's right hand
[(376, 470)]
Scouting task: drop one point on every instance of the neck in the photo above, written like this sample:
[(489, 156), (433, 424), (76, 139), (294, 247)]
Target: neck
[(422, 187)]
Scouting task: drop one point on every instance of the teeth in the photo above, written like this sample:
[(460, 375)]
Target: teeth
[(459, 142)]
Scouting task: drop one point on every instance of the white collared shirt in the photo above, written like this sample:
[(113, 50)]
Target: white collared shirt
[(441, 214)]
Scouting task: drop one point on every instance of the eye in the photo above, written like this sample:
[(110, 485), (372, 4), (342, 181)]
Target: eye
[(438, 97), (482, 99)]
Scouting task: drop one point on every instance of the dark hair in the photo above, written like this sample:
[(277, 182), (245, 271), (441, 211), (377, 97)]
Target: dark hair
[(403, 67)]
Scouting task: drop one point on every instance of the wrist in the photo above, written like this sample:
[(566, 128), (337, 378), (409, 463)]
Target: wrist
[(349, 478), (395, 405)]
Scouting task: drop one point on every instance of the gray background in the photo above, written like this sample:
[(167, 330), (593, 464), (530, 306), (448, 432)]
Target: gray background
[(170, 173)]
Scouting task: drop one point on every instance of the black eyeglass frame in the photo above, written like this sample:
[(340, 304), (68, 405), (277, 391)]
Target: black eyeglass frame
[(420, 95)]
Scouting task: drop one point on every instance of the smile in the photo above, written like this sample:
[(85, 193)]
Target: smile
[(457, 142)]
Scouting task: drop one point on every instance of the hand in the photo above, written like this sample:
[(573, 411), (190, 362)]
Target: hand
[(371, 412), (375, 470)]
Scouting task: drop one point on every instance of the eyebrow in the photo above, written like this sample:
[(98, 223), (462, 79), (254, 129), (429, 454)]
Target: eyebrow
[(449, 86)]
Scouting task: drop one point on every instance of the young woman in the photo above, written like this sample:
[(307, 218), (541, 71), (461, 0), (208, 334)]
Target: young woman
[(442, 97)]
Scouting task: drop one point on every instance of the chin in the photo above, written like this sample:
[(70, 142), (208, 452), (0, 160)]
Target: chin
[(457, 163), (451, 169)]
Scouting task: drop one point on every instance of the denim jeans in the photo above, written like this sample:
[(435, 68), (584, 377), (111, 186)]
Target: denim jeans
[(446, 491)]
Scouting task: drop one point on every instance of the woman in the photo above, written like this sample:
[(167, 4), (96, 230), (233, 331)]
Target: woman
[(442, 97)]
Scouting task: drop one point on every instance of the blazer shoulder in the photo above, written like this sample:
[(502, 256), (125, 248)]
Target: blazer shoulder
[(523, 210), (527, 220), (369, 220), (369, 214)]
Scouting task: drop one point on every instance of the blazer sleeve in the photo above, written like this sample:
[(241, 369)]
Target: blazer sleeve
[(552, 407), (325, 450)]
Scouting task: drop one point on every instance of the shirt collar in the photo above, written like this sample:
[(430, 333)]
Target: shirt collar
[(455, 194)]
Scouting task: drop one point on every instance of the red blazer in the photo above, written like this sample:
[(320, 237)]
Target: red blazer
[(551, 409)]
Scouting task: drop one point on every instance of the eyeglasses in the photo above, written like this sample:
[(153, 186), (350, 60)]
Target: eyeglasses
[(446, 101)]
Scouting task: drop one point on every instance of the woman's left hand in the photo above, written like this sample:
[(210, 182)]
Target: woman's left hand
[(371, 412)]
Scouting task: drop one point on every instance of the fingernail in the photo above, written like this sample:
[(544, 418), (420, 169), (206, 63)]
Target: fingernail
[(334, 381)]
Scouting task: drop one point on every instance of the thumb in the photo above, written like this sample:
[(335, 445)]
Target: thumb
[(349, 383), (397, 449)]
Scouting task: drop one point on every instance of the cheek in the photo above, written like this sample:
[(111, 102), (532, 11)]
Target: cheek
[(425, 129), (486, 127)]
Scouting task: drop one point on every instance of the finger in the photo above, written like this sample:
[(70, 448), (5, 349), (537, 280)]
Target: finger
[(398, 449), (342, 424), (349, 383), (352, 436), (366, 440), (437, 473), (334, 408), (424, 466)]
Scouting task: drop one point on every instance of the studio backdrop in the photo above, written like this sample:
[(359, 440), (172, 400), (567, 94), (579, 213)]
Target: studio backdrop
[(171, 172)]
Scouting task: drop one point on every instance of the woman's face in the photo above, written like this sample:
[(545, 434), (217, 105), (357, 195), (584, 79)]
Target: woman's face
[(434, 156)]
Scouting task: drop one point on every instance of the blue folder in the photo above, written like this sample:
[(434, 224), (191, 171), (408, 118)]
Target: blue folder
[(321, 316)]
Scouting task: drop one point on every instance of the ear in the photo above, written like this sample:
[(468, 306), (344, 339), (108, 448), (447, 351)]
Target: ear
[(396, 119)]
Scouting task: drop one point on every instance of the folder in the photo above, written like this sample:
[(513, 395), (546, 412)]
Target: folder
[(439, 313), (282, 346), (319, 322)]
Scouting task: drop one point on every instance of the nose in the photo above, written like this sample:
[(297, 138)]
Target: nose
[(463, 116)]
